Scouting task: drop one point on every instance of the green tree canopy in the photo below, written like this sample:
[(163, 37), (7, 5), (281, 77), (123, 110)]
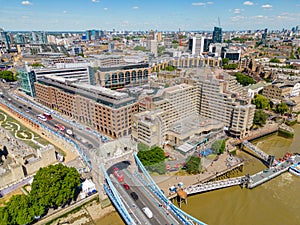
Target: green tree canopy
[(225, 61), (140, 48), (275, 60), (281, 108), (54, 185), (153, 159), (232, 66), (261, 101), (193, 165), (244, 79), (260, 117), (8, 75), (36, 64), (219, 146)]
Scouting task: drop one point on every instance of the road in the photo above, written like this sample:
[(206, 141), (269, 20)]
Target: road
[(161, 214)]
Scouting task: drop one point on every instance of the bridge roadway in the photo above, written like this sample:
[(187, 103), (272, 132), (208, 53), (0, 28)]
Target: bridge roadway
[(199, 188)]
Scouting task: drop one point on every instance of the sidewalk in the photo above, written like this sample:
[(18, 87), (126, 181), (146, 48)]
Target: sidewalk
[(215, 168)]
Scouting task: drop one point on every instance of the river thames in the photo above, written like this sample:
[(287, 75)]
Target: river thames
[(275, 202)]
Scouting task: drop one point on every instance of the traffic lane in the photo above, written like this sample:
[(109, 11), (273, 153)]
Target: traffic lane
[(129, 203), (145, 199)]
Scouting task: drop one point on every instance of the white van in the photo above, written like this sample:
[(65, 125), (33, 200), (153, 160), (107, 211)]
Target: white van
[(148, 212)]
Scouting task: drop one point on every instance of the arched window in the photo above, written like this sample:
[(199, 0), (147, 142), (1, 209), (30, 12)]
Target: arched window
[(121, 78), (140, 75), (114, 78), (145, 74), (133, 75), (127, 77)]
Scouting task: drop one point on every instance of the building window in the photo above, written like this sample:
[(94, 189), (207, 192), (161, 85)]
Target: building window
[(133, 74), (121, 77), (127, 77), (114, 78)]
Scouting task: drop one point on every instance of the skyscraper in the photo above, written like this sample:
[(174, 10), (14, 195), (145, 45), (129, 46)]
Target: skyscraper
[(217, 35), (264, 36)]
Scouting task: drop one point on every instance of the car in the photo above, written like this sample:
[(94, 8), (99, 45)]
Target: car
[(126, 186), (60, 127), (116, 168), (29, 108), (41, 117), (134, 196), (20, 107), (88, 128), (147, 212)]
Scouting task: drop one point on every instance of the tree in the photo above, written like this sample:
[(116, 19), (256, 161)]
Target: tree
[(36, 64), (193, 165), (261, 101), (55, 185), (260, 117), (219, 146), (19, 210), (140, 48), (225, 61), (275, 60), (282, 108), (8, 75), (230, 66), (243, 79), (4, 215), (153, 159)]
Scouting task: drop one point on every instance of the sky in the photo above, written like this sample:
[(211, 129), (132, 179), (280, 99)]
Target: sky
[(161, 15)]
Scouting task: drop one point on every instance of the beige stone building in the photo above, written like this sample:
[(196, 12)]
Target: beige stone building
[(223, 99), (162, 110), (109, 112), (277, 91)]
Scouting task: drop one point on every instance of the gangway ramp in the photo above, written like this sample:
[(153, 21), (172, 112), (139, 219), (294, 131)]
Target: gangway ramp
[(269, 159), (204, 187)]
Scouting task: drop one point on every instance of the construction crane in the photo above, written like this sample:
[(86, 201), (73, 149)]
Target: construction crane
[(219, 23)]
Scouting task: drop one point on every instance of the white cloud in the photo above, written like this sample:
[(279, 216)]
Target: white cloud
[(237, 18), (202, 3), (105, 9), (65, 11), (260, 17), (95, 0), (267, 6), (198, 4), (237, 11), (26, 3), (135, 7), (248, 3), (25, 17)]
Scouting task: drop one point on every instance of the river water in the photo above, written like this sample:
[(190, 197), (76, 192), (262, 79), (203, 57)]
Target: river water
[(276, 202)]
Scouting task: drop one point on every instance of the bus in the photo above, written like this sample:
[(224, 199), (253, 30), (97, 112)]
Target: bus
[(119, 176), (48, 116)]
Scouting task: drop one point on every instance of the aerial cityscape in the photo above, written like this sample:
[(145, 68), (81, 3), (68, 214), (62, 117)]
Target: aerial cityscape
[(149, 112)]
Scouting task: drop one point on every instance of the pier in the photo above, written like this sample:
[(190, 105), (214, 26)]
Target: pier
[(271, 172), (204, 187)]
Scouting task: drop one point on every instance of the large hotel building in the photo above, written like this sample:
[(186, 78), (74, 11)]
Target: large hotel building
[(110, 112)]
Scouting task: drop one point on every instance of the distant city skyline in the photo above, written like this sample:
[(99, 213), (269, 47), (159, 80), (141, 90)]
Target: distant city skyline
[(80, 15)]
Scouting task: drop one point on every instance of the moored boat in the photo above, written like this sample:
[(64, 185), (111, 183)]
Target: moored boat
[(295, 169)]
